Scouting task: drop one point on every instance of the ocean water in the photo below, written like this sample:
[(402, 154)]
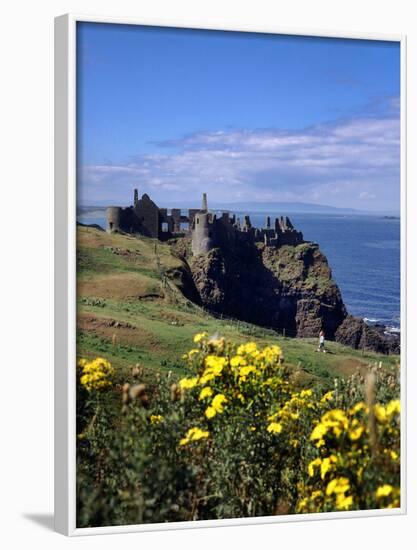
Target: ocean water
[(363, 253)]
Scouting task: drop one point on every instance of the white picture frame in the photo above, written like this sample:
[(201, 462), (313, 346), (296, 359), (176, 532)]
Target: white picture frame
[(65, 278)]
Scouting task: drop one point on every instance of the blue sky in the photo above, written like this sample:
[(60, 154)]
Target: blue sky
[(245, 117)]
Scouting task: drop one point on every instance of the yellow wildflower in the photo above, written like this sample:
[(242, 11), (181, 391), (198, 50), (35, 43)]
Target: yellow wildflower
[(207, 376), (327, 397), (214, 367), (194, 434), (335, 420), (210, 412), (188, 383), (339, 485), (271, 353), (355, 430), (312, 465), (380, 413), (199, 337), (327, 465), (393, 455), (156, 418), (205, 392), (302, 505), (275, 427), (319, 431), (245, 371), (355, 433), (215, 364), (237, 361), (358, 407), (393, 407), (384, 491), (218, 401), (96, 374), (343, 502), (250, 349), (216, 406)]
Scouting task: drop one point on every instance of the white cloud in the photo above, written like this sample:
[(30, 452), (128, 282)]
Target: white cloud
[(340, 163)]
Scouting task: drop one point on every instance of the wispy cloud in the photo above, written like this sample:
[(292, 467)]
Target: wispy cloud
[(348, 162)]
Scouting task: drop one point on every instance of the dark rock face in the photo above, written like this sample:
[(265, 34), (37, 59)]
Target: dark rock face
[(350, 332), (356, 333), (289, 288)]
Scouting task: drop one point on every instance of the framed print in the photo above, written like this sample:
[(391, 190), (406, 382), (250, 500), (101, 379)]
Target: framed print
[(230, 263)]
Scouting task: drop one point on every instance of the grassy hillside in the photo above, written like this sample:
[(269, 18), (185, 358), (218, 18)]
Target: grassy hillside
[(131, 310)]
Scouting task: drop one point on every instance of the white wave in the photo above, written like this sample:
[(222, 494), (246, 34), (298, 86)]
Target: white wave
[(392, 330), (370, 320)]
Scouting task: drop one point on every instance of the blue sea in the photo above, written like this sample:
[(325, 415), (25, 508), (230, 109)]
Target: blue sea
[(363, 253)]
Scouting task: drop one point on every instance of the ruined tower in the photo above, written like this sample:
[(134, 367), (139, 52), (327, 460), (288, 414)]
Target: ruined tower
[(113, 215), (202, 237), (202, 240)]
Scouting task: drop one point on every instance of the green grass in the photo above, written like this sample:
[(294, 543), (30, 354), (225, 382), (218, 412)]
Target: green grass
[(162, 328)]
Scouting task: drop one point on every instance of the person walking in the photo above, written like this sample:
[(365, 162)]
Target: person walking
[(321, 342)]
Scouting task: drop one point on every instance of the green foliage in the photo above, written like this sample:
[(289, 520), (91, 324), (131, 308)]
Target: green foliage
[(233, 438)]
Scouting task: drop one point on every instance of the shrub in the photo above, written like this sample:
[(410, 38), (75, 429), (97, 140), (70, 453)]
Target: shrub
[(234, 438)]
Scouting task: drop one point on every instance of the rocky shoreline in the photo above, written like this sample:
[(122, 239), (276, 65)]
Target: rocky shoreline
[(356, 333)]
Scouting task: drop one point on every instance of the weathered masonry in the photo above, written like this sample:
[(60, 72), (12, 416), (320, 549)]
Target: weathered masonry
[(208, 230)]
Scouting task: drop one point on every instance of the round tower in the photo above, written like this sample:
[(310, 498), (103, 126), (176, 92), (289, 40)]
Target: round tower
[(113, 214), (202, 237)]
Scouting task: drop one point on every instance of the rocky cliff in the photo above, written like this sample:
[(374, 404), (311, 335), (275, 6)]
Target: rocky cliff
[(288, 288)]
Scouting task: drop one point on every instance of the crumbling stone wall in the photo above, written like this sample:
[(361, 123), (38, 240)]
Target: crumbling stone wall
[(207, 230)]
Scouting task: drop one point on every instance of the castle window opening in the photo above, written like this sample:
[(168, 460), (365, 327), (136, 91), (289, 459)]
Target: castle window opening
[(111, 226), (164, 227)]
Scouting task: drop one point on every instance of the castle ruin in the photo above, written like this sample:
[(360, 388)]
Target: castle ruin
[(207, 229)]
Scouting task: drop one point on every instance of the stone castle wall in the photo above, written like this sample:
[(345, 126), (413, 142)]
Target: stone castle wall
[(207, 230)]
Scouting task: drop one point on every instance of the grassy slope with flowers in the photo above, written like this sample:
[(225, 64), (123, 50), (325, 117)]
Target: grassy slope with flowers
[(243, 424), (233, 438), (130, 312)]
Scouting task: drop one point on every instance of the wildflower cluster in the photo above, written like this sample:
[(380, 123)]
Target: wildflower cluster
[(96, 374), (357, 466), (291, 417), (228, 379), (235, 437), (194, 434)]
